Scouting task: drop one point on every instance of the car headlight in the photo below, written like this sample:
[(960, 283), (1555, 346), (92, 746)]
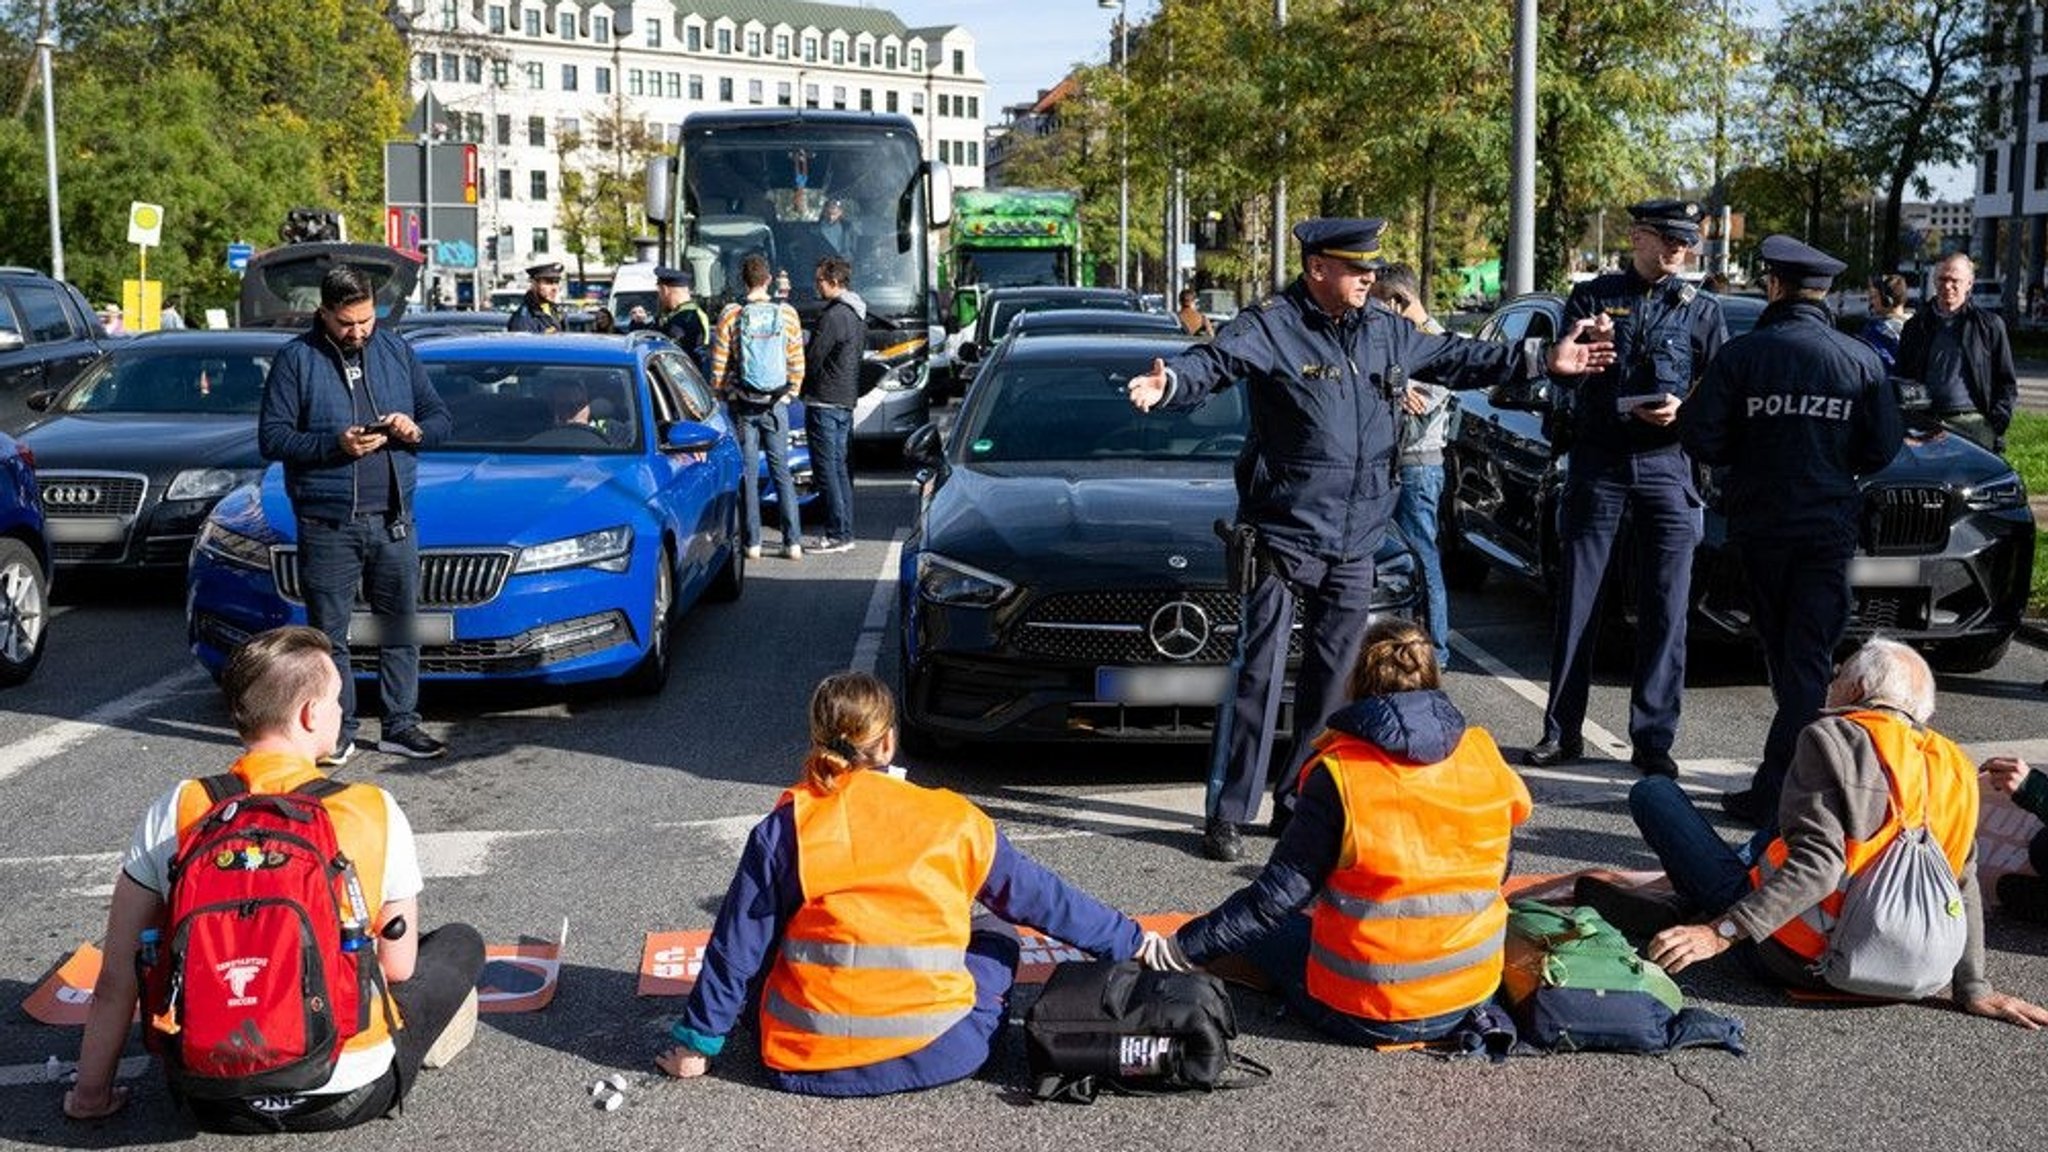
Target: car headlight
[(609, 550), (207, 483), (902, 377), (2008, 491), (944, 581), (232, 547)]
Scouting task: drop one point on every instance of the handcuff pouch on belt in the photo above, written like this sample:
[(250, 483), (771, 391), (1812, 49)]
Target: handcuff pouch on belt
[(1240, 555)]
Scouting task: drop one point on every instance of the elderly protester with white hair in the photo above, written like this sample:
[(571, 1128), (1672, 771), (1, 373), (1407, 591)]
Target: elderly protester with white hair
[(1776, 901)]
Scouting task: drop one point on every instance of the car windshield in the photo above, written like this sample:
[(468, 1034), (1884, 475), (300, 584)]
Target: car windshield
[(553, 409), (171, 381), (1077, 410)]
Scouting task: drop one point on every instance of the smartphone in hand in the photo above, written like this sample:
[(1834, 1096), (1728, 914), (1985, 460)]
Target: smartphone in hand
[(380, 428)]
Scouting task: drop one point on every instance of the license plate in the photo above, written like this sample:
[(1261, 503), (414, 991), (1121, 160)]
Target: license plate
[(1203, 684), (429, 628), (86, 530), (1884, 571)]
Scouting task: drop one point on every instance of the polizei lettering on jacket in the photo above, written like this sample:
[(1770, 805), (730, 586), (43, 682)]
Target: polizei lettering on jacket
[(1822, 407)]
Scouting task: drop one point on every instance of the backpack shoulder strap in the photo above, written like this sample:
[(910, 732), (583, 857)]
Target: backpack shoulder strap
[(320, 787), (222, 786)]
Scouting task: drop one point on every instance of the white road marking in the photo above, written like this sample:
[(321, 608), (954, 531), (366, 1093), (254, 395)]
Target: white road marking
[(867, 647), (1596, 737), (52, 741), (15, 1075)]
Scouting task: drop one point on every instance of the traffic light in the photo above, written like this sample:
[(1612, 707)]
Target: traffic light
[(491, 248)]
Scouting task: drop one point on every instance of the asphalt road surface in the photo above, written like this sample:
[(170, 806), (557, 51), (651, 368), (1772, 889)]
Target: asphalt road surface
[(626, 815)]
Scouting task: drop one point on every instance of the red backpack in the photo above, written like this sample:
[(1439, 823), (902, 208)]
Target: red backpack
[(268, 966)]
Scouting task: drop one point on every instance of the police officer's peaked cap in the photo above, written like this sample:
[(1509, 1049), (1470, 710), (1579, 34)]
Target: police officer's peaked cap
[(1798, 265), (1674, 219), (1357, 242), (674, 278), (548, 271)]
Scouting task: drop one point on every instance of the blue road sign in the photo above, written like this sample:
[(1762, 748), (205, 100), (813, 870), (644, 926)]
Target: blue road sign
[(238, 256)]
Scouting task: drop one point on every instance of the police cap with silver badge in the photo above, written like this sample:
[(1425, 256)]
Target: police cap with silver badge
[(548, 271), (1354, 241), (1672, 219), (1798, 265), (674, 278)]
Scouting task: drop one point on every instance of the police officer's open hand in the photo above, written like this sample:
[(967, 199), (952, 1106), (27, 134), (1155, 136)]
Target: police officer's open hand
[(1149, 389), (1658, 414), (1588, 347), (1414, 401)]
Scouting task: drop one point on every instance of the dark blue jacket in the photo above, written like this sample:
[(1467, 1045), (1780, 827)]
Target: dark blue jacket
[(1665, 334), (1320, 469), (306, 407), (766, 891), (1987, 360), (1419, 727), (1797, 411), (533, 315)]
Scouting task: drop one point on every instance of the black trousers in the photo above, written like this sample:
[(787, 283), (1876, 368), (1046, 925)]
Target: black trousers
[(1799, 601)]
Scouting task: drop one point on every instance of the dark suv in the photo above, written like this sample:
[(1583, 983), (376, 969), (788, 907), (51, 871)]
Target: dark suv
[(1947, 546), (48, 334)]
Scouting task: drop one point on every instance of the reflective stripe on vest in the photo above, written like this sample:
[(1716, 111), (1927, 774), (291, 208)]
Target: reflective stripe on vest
[(1929, 777), (873, 964), (1411, 923)]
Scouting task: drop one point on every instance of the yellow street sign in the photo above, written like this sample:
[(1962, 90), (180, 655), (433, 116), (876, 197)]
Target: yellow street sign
[(142, 305)]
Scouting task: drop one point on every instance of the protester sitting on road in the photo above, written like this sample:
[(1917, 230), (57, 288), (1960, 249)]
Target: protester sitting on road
[(1400, 837), (284, 694), (1777, 903), (2023, 895), (856, 897)]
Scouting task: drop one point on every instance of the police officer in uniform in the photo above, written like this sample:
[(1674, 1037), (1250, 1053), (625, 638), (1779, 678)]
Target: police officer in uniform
[(1626, 459), (1316, 483), (1796, 410), (681, 318), (538, 311)]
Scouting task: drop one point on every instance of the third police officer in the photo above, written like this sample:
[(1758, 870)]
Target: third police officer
[(1323, 374), (540, 309), (1626, 462), (1797, 411)]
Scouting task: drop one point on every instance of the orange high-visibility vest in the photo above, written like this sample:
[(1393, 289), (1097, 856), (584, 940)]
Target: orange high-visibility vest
[(1411, 923), (360, 829), (1927, 773), (874, 964)]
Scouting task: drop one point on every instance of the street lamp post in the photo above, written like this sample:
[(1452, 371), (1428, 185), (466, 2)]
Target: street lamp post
[(1123, 194), (46, 44)]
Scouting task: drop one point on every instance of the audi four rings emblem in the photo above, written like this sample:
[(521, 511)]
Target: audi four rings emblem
[(1178, 630), (72, 495)]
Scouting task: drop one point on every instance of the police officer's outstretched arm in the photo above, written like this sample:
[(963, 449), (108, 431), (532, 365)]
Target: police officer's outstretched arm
[(1242, 349)]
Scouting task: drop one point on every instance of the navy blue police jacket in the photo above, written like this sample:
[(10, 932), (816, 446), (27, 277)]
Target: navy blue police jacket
[(1320, 469), (1665, 335), (1797, 411), (533, 316)]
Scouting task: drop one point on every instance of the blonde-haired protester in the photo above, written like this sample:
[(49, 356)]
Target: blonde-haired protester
[(1400, 842), (856, 897)]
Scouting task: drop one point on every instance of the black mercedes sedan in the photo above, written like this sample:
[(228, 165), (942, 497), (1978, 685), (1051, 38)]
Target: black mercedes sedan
[(134, 453), (1063, 579), (1947, 548)]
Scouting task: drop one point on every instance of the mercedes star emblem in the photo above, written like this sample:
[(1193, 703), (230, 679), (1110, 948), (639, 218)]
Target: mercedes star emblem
[(1178, 630)]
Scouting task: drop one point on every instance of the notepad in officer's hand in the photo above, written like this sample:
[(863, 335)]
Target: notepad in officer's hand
[(1627, 404)]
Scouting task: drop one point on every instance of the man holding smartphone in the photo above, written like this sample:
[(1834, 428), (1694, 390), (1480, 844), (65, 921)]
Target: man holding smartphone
[(346, 409)]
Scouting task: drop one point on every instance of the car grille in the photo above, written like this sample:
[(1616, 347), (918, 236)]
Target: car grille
[(1110, 627), (502, 656), (1907, 521), (448, 579), (91, 493)]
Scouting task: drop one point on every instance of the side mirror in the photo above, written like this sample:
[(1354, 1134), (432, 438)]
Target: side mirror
[(1911, 393), (40, 401), (938, 194), (924, 448), (689, 436), (11, 341), (1522, 395)]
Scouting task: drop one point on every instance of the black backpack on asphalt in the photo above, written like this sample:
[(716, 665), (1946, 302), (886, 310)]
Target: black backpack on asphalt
[(1121, 1028)]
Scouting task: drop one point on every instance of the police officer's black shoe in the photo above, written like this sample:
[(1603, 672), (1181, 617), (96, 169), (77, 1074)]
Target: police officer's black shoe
[(1745, 806), (1654, 763), (1222, 840), (1551, 752)]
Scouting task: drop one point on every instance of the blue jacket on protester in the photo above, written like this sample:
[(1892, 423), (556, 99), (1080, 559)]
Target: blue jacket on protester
[(307, 406), (1421, 727)]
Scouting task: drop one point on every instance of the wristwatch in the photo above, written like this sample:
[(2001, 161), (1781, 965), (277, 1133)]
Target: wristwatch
[(1727, 929)]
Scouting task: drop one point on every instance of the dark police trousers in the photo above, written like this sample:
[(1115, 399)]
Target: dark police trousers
[(1799, 602), (1336, 602), (1656, 490)]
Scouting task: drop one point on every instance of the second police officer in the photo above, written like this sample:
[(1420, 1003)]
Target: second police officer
[(539, 310), (680, 317), (1626, 462), (1316, 483), (1797, 411)]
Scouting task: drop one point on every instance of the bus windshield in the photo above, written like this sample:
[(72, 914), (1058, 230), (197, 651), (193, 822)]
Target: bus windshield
[(796, 191)]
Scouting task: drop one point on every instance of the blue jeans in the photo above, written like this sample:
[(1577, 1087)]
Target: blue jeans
[(335, 558), (1707, 874), (1415, 513), (1282, 955), (829, 431), (768, 425)]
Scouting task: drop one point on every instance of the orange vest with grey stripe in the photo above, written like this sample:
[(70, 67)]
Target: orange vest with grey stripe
[(361, 827), (1410, 924), (873, 964), (1929, 774)]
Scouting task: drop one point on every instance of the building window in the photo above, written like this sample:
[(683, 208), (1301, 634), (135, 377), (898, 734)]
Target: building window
[(782, 45), (566, 25), (504, 183), (1990, 171), (568, 128), (867, 100), (810, 49), (754, 92), (693, 38), (501, 73), (867, 56), (725, 41), (497, 20), (537, 131), (654, 32), (568, 78), (889, 101), (504, 130), (753, 43), (673, 82), (917, 103), (696, 86), (839, 51), (959, 62), (601, 29), (539, 181), (536, 75), (810, 95), (635, 83), (917, 59), (533, 23), (473, 127), (839, 97), (974, 107), (604, 81), (782, 93), (540, 241), (725, 89), (473, 69), (889, 57), (430, 67), (974, 153)]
